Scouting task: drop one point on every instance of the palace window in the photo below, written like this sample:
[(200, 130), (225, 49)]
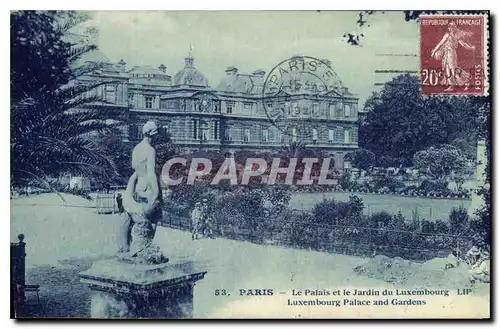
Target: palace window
[(354, 135), (247, 107), (246, 135), (195, 129), (200, 128), (338, 110), (354, 110), (110, 93), (165, 131), (227, 133), (294, 109), (347, 110), (315, 135), (332, 110), (347, 136), (315, 109), (339, 134), (272, 134), (229, 107), (294, 134), (215, 133), (149, 102), (203, 131), (331, 136), (265, 135)]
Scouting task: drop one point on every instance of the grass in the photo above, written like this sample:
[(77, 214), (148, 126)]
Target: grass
[(430, 209)]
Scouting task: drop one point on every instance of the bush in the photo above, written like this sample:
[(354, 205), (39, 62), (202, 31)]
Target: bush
[(346, 182), (348, 213), (188, 195), (380, 219), (362, 158), (459, 221), (441, 227), (276, 199), (428, 187), (387, 184)]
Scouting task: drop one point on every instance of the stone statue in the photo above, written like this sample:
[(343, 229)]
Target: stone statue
[(142, 205)]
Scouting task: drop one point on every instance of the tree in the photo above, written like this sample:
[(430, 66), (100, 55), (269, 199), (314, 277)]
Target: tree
[(401, 122), (362, 158), (467, 145), (54, 121), (118, 152), (439, 162), (165, 150), (482, 227)]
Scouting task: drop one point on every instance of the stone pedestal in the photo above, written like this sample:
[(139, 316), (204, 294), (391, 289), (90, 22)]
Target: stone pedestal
[(130, 291)]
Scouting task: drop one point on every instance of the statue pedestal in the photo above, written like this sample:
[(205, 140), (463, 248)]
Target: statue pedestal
[(131, 291)]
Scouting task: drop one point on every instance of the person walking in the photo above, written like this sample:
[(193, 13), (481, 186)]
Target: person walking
[(207, 220), (479, 265), (119, 203), (196, 221)]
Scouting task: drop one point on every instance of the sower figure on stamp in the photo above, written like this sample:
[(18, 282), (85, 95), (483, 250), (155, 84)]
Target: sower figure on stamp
[(446, 51), (142, 205)]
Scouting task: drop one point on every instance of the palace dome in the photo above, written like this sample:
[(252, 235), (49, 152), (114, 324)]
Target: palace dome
[(189, 75)]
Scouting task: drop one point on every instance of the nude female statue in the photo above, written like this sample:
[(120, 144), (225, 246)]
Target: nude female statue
[(142, 204), (446, 51)]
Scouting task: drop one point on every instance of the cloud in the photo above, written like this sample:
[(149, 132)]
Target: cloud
[(142, 21)]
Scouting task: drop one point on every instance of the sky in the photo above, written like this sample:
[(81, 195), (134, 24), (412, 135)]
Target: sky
[(251, 40)]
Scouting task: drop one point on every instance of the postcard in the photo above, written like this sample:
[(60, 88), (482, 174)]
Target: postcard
[(250, 164)]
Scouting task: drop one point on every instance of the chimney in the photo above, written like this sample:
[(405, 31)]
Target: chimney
[(162, 68), (231, 70), (121, 65), (259, 73)]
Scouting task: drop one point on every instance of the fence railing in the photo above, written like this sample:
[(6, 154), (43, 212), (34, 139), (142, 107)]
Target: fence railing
[(105, 203), (349, 240)]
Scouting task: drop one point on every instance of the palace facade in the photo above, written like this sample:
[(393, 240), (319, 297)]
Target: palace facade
[(229, 117)]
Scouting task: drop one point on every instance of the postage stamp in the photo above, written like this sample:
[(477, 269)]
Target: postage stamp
[(454, 54)]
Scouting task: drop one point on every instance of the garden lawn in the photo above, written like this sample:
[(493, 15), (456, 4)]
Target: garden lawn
[(427, 208)]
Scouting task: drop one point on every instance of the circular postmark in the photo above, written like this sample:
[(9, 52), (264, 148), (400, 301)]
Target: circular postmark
[(297, 95)]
